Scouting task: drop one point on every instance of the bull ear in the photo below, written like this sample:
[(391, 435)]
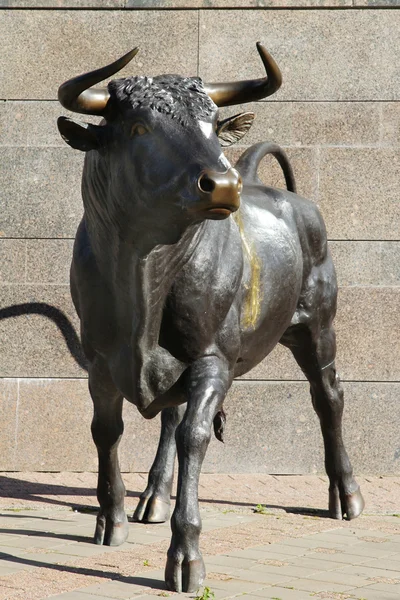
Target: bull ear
[(80, 136), (232, 129)]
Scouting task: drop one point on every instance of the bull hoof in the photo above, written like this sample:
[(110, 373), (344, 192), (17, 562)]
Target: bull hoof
[(109, 532), (184, 576), (345, 506), (152, 509)]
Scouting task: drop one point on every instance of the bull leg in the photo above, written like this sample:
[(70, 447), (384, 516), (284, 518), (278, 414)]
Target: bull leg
[(315, 352), (208, 384), (107, 428), (154, 504)]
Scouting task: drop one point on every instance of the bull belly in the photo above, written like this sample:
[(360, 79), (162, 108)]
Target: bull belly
[(260, 338)]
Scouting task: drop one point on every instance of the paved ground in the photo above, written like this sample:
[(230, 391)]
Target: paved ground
[(287, 549)]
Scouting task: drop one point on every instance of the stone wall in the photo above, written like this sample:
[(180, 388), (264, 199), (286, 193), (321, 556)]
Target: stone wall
[(337, 115)]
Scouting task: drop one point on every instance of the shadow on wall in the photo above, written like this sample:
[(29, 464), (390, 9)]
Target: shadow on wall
[(58, 317)]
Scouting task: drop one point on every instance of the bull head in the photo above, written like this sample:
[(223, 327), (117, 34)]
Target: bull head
[(132, 108), (77, 95)]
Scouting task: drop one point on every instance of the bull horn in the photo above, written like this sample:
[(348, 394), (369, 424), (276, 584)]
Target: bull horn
[(238, 92), (75, 95)]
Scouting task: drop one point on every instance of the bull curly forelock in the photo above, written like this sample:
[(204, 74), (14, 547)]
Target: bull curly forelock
[(181, 98)]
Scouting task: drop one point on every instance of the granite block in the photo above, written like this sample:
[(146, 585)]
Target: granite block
[(303, 161), (48, 261), (390, 128), (57, 4), (366, 263), (40, 338), (8, 423), (377, 3), (358, 193), (315, 123), (73, 42), (318, 52), (40, 194), (236, 3), (367, 326), (368, 344), (271, 428), (12, 261), (54, 419), (51, 409), (34, 123)]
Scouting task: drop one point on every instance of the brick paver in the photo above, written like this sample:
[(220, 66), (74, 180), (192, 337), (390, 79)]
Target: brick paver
[(287, 550)]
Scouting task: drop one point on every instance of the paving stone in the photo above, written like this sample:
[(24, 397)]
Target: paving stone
[(78, 596), (232, 562), (342, 557), (371, 551), (342, 577), (284, 549), (282, 593), (256, 554), (369, 594), (261, 576), (391, 588), (371, 573), (311, 542), (314, 586), (232, 587), (290, 570), (116, 589), (389, 564), (7, 570), (313, 562)]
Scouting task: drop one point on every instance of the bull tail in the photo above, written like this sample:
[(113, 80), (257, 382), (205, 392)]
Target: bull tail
[(248, 163)]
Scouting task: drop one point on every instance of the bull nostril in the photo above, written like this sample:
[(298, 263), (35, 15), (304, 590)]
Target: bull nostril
[(206, 184)]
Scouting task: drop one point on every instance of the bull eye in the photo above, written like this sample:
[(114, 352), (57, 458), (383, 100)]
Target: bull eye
[(138, 129)]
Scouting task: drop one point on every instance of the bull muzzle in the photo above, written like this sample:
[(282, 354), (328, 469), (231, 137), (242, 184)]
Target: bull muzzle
[(220, 192)]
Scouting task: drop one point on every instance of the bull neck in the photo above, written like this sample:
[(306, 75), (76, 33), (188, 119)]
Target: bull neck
[(140, 285)]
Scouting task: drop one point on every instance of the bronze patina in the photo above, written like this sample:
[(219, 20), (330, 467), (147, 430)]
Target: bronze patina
[(186, 273)]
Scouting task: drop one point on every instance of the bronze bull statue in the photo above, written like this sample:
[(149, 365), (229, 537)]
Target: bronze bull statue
[(186, 273)]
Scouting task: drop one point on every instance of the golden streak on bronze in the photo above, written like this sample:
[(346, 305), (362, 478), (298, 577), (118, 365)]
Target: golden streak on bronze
[(252, 305)]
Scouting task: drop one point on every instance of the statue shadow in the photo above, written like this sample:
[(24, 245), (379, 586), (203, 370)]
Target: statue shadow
[(137, 580), (306, 511), (59, 319), (20, 489)]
